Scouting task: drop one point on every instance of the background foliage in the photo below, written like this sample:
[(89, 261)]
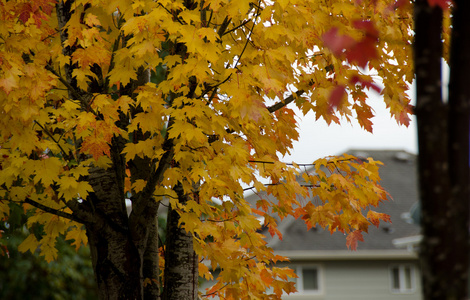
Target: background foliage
[(29, 276)]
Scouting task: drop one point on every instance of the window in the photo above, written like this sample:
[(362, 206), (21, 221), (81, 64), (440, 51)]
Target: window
[(309, 279), (402, 278)]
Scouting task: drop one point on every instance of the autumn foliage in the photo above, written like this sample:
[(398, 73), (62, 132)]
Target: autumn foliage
[(194, 98)]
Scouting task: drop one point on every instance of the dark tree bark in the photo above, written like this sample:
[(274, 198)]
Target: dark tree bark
[(458, 146), (443, 139)]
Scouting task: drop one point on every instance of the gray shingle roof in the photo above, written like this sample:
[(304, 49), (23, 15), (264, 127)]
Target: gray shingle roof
[(399, 179)]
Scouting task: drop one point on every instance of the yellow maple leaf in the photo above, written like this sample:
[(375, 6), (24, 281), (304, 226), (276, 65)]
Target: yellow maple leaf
[(78, 234), (139, 185), (29, 244)]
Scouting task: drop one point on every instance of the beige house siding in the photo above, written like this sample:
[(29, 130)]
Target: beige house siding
[(359, 280)]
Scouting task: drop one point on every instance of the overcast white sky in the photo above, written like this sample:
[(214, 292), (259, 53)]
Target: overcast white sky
[(317, 139)]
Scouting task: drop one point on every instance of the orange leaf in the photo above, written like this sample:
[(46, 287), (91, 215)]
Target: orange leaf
[(375, 217), (266, 276), (364, 114), (352, 238), (274, 231)]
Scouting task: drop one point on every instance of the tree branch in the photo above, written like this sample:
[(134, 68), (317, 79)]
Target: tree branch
[(248, 36), (221, 32), (64, 154), (304, 165), (53, 210), (286, 101), (84, 101), (111, 62), (252, 188), (236, 27), (223, 26), (215, 292), (272, 162), (69, 87)]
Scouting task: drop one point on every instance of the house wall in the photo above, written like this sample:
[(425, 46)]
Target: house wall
[(359, 280)]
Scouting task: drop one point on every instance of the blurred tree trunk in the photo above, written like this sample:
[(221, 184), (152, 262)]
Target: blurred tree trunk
[(443, 139)]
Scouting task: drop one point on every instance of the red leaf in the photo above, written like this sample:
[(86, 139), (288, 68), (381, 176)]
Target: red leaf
[(369, 84), (368, 27), (38, 10), (352, 238), (360, 52), (398, 4), (26, 11), (366, 49), (337, 95), (444, 4), (337, 43)]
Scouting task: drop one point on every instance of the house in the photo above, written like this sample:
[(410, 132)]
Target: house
[(384, 266)]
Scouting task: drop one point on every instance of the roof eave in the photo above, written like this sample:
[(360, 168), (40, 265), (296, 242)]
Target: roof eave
[(298, 255)]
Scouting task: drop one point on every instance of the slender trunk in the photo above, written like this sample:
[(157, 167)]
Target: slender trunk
[(443, 132), (151, 269), (181, 262), (432, 142), (458, 148)]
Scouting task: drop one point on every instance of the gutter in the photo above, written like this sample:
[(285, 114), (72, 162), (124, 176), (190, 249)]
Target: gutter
[(349, 255)]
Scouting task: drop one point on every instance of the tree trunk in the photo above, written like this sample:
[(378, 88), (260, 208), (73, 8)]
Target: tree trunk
[(458, 149), (181, 262), (124, 250), (443, 138), (116, 263), (116, 259), (151, 269)]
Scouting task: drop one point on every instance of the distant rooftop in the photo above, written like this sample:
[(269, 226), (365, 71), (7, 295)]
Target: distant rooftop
[(399, 179)]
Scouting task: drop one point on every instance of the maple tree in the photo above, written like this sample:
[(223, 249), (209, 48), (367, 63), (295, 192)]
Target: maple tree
[(190, 101)]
